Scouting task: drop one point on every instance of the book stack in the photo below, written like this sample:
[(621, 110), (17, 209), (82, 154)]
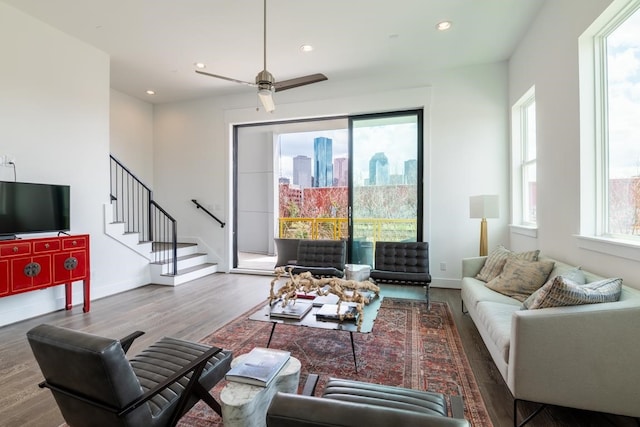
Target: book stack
[(259, 367), (330, 313), (294, 309)]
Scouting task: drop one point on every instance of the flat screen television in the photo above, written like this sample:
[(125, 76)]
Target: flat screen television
[(33, 208)]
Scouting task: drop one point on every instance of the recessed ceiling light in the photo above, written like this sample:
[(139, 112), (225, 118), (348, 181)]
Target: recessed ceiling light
[(151, 92), (200, 65), (443, 26), (306, 48)]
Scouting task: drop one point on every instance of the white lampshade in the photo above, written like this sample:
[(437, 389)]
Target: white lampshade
[(484, 206), (266, 97)]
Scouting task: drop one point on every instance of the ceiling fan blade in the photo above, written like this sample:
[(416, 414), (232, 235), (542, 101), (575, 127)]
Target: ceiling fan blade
[(299, 81), (242, 82)]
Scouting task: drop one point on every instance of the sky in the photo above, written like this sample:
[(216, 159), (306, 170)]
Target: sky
[(397, 141), (623, 49)]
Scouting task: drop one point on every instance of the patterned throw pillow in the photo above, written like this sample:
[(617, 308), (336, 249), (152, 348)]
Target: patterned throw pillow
[(520, 278), (497, 258), (575, 275), (563, 292)]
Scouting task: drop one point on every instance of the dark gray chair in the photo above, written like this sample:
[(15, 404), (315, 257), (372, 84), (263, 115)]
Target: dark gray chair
[(322, 258), (405, 263), (94, 384), (348, 403)]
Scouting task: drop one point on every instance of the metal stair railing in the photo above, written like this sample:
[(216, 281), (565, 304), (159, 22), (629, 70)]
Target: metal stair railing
[(134, 206)]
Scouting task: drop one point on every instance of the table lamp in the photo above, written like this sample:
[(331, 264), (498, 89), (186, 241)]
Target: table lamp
[(484, 206)]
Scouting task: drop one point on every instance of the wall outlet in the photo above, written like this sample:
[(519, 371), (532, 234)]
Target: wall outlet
[(443, 266)]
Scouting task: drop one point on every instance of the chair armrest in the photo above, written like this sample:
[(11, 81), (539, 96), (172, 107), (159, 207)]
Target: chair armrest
[(310, 385), (457, 407), (196, 366), (128, 340)]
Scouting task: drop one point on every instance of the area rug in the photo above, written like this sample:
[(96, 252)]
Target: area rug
[(410, 346)]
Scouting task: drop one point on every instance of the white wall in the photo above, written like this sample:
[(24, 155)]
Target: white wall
[(466, 150), (131, 134), (54, 120), (548, 58)]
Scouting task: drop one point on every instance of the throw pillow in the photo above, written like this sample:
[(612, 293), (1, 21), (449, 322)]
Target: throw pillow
[(575, 275), (497, 258), (520, 278), (563, 292)]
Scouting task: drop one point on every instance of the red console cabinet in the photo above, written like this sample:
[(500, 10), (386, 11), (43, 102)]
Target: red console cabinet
[(31, 264)]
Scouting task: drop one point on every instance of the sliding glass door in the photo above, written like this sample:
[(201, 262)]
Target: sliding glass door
[(357, 179), (385, 182)]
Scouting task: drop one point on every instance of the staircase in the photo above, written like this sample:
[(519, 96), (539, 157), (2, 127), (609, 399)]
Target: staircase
[(134, 219)]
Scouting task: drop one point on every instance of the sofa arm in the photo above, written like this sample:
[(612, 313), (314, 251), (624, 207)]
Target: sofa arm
[(585, 357), (472, 266)]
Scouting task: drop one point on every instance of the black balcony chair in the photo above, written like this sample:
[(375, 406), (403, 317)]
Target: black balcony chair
[(94, 384), (348, 403), (322, 258), (405, 263)]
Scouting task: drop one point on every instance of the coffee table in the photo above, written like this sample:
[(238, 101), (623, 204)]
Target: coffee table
[(245, 405), (309, 320)]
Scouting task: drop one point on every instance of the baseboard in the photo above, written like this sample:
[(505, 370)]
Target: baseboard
[(445, 283)]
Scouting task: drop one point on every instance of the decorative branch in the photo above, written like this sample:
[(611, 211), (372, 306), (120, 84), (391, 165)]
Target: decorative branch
[(345, 290)]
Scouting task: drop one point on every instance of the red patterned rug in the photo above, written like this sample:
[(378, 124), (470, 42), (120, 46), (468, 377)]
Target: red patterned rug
[(410, 346)]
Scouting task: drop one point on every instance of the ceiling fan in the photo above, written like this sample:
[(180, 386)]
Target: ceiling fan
[(265, 82)]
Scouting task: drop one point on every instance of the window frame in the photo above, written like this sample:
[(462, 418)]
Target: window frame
[(593, 234), (520, 141)]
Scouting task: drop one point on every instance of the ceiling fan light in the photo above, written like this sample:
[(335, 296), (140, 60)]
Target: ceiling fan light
[(266, 97)]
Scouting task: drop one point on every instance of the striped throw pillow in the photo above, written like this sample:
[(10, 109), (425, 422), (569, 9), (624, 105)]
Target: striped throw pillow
[(563, 292), (497, 258)]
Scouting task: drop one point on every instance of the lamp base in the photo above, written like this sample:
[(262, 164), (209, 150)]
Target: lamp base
[(484, 240)]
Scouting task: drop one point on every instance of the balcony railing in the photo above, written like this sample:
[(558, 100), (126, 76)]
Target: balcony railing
[(372, 229)]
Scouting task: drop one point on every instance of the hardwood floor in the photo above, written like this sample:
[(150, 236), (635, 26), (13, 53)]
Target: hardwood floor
[(193, 310)]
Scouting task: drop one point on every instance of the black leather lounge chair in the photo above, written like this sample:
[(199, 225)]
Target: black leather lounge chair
[(405, 263), (95, 385), (323, 258), (348, 403)]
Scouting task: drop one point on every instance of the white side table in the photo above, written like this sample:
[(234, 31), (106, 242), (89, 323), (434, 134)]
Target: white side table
[(245, 405), (357, 272)]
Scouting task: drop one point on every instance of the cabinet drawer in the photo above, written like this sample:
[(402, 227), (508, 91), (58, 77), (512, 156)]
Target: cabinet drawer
[(13, 249), (46, 246), (74, 242)]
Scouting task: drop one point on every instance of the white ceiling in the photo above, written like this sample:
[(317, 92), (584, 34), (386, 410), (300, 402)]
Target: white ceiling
[(154, 44)]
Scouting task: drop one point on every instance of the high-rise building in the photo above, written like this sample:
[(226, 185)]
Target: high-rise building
[(379, 169), (411, 172), (302, 171), (340, 172), (322, 159)]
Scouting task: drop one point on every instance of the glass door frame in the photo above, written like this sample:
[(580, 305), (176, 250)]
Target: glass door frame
[(419, 113)]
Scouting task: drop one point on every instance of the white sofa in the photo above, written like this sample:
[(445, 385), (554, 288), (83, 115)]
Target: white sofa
[(584, 356)]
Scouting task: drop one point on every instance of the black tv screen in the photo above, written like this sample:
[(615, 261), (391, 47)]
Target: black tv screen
[(33, 208)]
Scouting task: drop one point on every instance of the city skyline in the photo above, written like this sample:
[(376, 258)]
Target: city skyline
[(372, 140)]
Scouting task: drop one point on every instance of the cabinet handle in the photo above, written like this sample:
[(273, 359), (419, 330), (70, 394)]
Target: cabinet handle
[(15, 249), (46, 246), (32, 269), (74, 243)]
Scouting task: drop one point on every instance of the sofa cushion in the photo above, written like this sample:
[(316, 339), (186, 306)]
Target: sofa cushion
[(496, 260), (521, 278), (563, 292), (575, 274), (495, 318)]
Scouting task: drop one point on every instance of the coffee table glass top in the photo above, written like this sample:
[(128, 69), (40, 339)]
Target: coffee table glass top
[(370, 314)]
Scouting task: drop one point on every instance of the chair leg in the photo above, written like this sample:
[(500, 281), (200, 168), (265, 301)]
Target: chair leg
[(207, 398)]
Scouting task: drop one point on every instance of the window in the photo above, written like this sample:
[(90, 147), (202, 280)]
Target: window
[(617, 48), (524, 160)]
